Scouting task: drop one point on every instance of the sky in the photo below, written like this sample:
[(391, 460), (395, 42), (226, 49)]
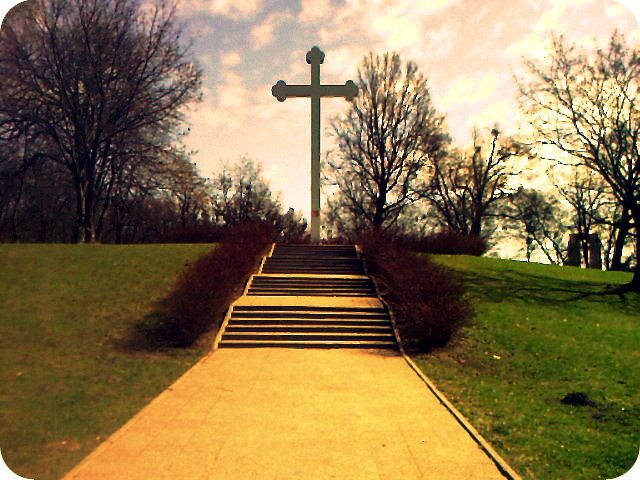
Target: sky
[(469, 50)]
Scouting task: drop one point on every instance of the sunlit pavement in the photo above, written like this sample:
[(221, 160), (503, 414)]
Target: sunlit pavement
[(292, 413)]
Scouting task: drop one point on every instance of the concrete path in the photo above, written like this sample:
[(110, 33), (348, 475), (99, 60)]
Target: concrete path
[(292, 414)]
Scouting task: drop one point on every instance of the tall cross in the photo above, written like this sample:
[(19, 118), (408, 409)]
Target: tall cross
[(282, 91)]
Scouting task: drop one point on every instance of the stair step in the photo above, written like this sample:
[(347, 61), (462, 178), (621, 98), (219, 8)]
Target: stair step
[(306, 315), (307, 336), (316, 344), (302, 308), (292, 326), (302, 328), (310, 280), (310, 292), (312, 323)]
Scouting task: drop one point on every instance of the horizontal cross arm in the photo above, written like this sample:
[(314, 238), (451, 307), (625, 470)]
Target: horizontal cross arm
[(282, 91)]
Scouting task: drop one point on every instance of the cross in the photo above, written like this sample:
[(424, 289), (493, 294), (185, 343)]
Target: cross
[(282, 91)]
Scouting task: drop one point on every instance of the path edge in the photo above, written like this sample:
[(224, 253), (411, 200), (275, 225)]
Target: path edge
[(70, 474), (495, 457)]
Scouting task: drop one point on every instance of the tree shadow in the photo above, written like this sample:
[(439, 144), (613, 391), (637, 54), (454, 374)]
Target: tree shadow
[(497, 285), (154, 333)]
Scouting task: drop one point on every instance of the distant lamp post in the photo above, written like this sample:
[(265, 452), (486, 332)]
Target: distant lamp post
[(315, 91)]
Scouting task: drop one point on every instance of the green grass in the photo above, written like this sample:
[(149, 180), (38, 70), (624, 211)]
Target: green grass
[(68, 378), (542, 332)]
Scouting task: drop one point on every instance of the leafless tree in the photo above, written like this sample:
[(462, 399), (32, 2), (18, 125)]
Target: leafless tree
[(587, 105), (540, 219), (465, 188), (102, 81), (241, 194), (387, 135), (586, 193)]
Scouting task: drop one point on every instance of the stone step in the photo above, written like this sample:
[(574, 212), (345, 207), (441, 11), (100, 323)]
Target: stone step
[(307, 336), (365, 344), (356, 322), (307, 328), (308, 316), (315, 293), (332, 280), (281, 248), (333, 271), (341, 270), (309, 308)]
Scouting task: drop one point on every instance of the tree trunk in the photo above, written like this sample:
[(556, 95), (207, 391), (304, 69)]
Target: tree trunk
[(476, 226), (584, 243), (86, 227), (634, 285), (378, 216), (623, 231)]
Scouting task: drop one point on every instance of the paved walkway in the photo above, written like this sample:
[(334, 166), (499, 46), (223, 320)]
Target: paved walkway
[(292, 414)]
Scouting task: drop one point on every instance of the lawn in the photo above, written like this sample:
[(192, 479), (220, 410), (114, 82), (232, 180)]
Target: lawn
[(540, 333), (69, 376)]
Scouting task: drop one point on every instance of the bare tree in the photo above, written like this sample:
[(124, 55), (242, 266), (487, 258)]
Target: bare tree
[(587, 106), (465, 188), (241, 194), (586, 193), (540, 219), (388, 134), (102, 81)]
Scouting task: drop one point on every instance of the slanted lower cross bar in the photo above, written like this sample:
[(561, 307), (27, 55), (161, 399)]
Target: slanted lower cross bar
[(315, 91)]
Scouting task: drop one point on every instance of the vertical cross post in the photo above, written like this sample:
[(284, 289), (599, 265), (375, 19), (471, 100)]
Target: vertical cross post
[(315, 58), (282, 91)]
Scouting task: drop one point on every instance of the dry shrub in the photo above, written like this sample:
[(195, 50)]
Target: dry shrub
[(192, 233), (426, 300), (205, 290), (446, 242)]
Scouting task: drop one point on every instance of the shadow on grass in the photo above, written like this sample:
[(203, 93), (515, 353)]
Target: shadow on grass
[(496, 285), (155, 333)]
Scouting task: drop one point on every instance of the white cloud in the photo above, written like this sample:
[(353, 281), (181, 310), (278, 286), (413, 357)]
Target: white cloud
[(532, 46), (230, 59), (537, 43), (633, 6), (380, 24), (313, 11), (466, 89), (264, 33), (502, 112), (555, 13), (235, 9), (398, 31)]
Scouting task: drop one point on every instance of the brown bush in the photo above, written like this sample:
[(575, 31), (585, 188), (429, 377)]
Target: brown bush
[(205, 290), (446, 242), (193, 233), (427, 301)]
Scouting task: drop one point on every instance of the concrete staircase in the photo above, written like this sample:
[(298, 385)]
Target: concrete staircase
[(314, 259), (309, 297)]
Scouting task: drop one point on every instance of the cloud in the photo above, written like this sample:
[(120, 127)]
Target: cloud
[(502, 112), (531, 46), (264, 33), (379, 24), (553, 17), (466, 89), (397, 31), (631, 5), (313, 11), (237, 10), (230, 59)]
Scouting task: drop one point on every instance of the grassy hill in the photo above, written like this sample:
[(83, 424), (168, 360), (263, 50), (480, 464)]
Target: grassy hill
[(69, 378), (540, 333)]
